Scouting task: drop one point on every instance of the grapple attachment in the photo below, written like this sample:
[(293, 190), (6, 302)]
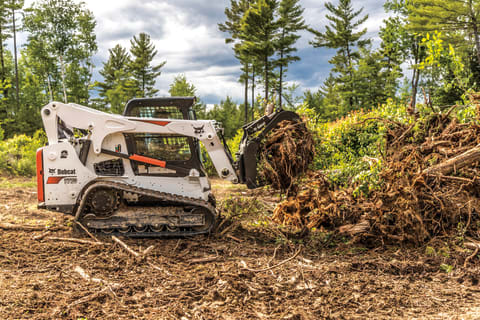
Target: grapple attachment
[(253, 134)]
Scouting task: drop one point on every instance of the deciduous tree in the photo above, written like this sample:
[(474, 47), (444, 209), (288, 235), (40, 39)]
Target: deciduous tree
[(61, 33)]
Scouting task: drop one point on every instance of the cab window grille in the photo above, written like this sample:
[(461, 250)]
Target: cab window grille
[(160, 112), (109, 168)]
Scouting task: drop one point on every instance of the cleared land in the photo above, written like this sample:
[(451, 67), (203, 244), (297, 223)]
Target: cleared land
[(250, 269)]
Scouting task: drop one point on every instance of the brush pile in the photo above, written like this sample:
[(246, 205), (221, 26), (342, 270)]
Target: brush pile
[(429, 186), (287, 151)]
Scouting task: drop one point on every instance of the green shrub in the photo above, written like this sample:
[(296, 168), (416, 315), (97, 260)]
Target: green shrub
[(342, 146), (18, 154)]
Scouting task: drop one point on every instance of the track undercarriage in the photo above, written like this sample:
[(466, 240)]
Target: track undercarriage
[(103, 209)]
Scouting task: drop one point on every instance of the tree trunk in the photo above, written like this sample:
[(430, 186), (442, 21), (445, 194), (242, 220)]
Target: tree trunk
[(17, 89), (62, 69), (266, 78), (50, 93), (253, 92), (281, 81), (246, 93), (458, 162), (475, 30), (415, 77), (349, 60), (2, 61)]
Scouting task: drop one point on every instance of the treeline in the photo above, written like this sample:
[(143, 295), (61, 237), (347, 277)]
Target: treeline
[(428, 51), (436, 41)]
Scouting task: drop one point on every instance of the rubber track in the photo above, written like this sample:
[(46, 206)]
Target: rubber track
[(162, 196)]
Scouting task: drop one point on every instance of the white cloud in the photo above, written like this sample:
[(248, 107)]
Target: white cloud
[(186, 35)]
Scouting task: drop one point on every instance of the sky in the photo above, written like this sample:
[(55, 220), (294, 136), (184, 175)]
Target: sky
[(186, 35)]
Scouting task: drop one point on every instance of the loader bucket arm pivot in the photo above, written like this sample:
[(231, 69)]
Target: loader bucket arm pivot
[(253, 134)]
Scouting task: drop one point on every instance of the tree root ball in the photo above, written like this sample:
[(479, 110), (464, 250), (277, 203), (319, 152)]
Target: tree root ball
[(428, 186), (285, 154)]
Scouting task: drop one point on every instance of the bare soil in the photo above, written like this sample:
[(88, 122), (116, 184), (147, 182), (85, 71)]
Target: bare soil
[(249, 269)]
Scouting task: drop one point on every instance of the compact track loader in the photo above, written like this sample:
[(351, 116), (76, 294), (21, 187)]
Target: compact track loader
[(141, 173)]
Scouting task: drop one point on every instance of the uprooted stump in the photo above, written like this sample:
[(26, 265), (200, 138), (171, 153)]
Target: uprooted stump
[(286, 153), (422, 194)]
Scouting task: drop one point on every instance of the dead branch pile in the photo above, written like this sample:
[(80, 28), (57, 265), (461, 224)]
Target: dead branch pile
[(287, 151), (429, 186)]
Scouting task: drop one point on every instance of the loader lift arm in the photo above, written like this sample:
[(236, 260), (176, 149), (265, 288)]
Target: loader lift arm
[(99, 125)]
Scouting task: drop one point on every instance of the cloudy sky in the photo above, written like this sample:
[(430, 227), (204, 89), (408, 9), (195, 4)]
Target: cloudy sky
[(186, 35)]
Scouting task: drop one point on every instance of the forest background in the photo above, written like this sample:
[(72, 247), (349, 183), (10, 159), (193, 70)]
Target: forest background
[(428, 58)]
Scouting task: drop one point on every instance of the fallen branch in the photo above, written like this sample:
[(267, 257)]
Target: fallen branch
[(148, 250), (127, 248), (89, 297), (41, 236), (459, 179), (274, 266), (76, 241), (86, 277), (471, 245), (17, 227), (203, 260), (231, 227), (399, 139), (233, 238), (88, 232)]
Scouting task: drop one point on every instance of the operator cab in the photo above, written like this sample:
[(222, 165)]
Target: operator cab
[(180, 152)]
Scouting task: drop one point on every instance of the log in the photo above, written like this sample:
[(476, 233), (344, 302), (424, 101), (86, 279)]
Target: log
[(458, 162)]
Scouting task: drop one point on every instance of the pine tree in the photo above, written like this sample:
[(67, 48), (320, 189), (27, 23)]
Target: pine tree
[(118, 59), (290, 22), (259, 30), (340, 35), (182, 88), (371, 79), (229, 114), (118, 86), (6, 32), (143, 52), (393, 52), (232, 25)]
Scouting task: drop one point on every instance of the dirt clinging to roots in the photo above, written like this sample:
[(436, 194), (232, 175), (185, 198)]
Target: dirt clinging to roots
[(420, 194), (287, 152)]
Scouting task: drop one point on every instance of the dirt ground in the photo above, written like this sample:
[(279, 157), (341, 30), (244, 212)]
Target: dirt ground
[(250, 269)]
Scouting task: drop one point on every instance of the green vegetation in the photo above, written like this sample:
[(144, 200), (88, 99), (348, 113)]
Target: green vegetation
[(364, 83), (17, 155)]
